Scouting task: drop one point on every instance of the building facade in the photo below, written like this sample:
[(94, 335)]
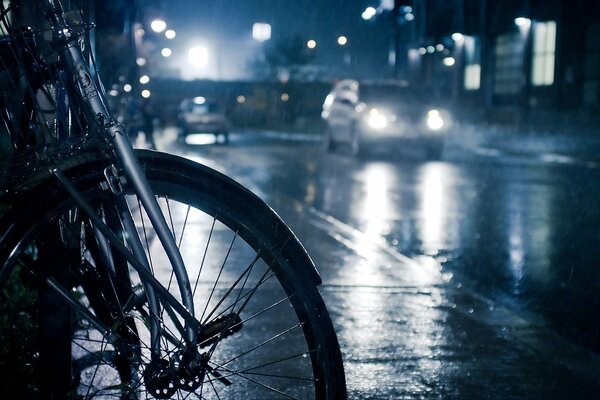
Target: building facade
[(520, 56)]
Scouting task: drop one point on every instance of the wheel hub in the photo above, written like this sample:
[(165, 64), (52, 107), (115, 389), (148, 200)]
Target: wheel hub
[(184, 371)]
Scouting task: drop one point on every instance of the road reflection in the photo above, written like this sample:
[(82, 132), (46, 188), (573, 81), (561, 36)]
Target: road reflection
[(435, 180), (374, 208)]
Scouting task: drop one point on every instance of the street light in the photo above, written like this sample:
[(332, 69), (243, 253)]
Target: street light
[(170, 34), (449, 61), (198, 56), (158, 25), (458, 37), (522, 22), (369, 13), (311, 44), (261, 31), (166, 52), (144, 79), (342, 40)]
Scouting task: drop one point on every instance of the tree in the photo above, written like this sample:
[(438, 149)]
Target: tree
[(283, 59)]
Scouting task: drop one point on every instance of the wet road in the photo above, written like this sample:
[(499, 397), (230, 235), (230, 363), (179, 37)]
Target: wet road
[(472, 277)]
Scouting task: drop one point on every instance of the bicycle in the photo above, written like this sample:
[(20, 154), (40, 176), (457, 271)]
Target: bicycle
[(139, 274)]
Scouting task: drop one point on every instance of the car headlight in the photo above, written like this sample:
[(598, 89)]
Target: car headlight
[(434, 120), (377, 120)]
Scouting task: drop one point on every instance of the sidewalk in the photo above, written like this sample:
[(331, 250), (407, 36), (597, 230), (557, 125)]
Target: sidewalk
[(584, 146)]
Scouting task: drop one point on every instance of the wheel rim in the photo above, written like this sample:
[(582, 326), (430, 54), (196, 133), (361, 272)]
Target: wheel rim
[(269, 350)]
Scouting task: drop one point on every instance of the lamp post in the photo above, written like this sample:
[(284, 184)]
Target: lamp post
[(401, 14)]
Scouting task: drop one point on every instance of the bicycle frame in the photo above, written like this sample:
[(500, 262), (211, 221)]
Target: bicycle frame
[(94, 105)]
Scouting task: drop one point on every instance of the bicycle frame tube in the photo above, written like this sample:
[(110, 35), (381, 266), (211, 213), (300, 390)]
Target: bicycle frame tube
[(94, 105)]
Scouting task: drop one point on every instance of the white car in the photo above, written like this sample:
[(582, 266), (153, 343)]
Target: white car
[(198, 115), (368, 115)]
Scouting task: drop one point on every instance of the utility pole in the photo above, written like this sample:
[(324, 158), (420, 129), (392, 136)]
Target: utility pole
[(396, 24)]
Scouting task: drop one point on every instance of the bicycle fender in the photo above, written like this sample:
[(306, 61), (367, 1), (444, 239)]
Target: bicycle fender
[(236, 195)]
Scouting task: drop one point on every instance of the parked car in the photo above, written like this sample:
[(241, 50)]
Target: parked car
[(368, 115), (198, 115)]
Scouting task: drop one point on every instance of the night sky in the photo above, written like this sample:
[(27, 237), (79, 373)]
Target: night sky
[(227, 25)]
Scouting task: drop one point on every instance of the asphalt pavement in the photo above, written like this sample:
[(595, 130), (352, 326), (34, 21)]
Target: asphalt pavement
[(410, 329)]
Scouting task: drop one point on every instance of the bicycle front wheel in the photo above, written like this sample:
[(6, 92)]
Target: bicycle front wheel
[(265, 331)]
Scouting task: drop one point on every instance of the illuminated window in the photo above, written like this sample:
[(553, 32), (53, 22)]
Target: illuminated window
[(508, 64), (472, 78), (544, 46)]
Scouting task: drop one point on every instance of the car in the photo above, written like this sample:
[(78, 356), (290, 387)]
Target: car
[(198, 115), (371, 115)]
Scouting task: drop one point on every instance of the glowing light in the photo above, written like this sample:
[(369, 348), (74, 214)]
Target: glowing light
[(170, 34), (158, 25), (377, 120), (144, 79), (457, 37), (127, 88), (140, 61), (435, 122), (449, 61), (409, 17), (369, 13), (311, 44), (422, 51), (199, 100), (430, 49), (113, 92), (285, 97), (261, 31), (241, 99), (439, 47), (522, 22), (166, 52), (200, 139), (342, 40), (146, 93), (198, 56)]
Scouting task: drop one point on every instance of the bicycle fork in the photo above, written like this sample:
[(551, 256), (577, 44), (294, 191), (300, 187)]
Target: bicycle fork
[(94, 103)]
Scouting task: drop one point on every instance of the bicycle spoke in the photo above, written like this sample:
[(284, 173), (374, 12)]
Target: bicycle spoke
[(264, 343), (263, 385), (212, 228), (246, 273), (219, 275)]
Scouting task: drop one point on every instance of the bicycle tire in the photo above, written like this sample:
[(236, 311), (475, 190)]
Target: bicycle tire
[(285, 346)]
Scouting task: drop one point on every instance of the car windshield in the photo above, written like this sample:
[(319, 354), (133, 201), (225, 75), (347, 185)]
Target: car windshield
[(207, 108), (394, 94), (199, 109)]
